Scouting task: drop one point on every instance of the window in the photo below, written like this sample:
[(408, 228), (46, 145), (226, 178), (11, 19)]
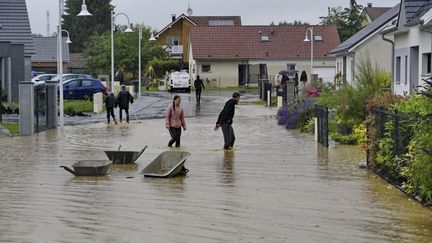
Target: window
[(318, 38), (291, 66), (87, 83), (406, 69), (173, 40), (398, 70), (221, 22), (205, 68), (72, 84), (426, 63), (265, 38)]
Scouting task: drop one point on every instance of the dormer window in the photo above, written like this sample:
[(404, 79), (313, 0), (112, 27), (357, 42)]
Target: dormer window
[(265, 38), (318, 38), (221, 22)]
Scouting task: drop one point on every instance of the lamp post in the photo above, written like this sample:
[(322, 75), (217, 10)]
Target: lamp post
[(68, 40), (83, 12), (128, 29), (311, 41), (152, 38)]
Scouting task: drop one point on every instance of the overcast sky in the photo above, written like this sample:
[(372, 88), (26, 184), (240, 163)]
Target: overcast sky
[(157, 13)]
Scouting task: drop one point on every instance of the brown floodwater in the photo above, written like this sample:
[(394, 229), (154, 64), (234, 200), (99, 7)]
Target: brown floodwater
[(278, 185)]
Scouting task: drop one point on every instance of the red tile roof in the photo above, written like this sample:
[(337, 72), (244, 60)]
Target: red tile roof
[(244, 42)]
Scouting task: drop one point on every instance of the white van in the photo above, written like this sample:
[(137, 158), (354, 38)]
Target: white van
[(179, 80)]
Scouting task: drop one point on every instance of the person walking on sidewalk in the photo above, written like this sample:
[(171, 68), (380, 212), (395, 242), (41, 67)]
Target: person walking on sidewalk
[(199, 85), (123, 100), (174, 121), (110, 103), (225, 121)]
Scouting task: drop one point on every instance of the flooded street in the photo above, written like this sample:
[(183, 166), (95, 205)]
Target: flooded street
[(278, 185)]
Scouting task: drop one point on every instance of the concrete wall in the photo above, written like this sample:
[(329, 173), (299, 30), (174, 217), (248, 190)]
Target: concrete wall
[(378, 50)]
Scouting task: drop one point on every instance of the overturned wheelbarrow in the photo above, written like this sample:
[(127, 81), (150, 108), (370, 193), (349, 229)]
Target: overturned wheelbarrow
[(167, 164), (124, 157), (89, 168)]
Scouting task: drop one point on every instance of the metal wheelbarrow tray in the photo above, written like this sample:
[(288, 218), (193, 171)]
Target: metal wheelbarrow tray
[(89, 168), (167, 164), (124, 157)]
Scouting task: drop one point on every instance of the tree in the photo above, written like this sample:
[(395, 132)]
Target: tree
[(82, 28), (348, 21), (98, 51)]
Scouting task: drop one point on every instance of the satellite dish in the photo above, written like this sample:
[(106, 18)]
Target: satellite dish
[(189, 11)]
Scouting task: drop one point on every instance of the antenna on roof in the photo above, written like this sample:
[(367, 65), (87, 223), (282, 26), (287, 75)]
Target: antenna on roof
[(189, 10), (48, 23)]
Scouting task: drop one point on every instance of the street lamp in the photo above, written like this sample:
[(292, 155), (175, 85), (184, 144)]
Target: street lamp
[(128, 29), (68, 40), (83, 12), (311, 41), (152, 38)]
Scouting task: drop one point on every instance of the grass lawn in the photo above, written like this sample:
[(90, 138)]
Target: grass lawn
[(12, 127), (78, 105)]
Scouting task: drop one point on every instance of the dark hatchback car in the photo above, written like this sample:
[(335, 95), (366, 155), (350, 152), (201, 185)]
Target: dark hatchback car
[(82, 87)]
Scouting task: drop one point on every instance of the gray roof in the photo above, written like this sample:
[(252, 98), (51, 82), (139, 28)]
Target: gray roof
[(367, 30), (46, 49), (15, 24), (415, 9)]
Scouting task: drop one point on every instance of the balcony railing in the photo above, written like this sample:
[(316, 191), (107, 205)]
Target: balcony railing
[(175, 49)]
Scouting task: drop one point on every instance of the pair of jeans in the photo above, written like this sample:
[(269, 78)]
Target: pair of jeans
[(110, 112), (121, 114), (198, 95), (175, 136), (229, 137)]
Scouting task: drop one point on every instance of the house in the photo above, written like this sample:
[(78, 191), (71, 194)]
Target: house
[(77, 63), (175, 36), (412, 34), (240, 55), (367, 43), (16, 47), (371, 13), (45, 58)]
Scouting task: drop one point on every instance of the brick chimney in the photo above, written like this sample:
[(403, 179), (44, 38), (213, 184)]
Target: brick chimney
[(369, 5)]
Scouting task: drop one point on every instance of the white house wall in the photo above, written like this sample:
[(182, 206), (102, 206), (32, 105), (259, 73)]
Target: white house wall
[(223, 73), (379, 52), (403, 48)]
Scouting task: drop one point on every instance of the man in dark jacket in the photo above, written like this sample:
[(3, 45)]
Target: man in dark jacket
[(123, 100), (199, 85), (110, 103), (225, 121)]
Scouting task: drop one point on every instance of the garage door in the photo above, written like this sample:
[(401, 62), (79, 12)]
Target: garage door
[(326, 73)]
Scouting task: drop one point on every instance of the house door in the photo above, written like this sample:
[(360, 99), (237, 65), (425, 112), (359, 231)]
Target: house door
[(243, 74), (254, 73), (413, 68)]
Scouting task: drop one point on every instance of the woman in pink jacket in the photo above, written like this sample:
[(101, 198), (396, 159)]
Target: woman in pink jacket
[(174, 121)]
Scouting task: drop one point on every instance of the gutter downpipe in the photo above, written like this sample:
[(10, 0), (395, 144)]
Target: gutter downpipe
[(393, 59)]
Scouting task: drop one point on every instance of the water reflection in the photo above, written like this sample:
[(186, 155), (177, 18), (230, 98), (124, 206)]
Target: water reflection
[(228, 168)]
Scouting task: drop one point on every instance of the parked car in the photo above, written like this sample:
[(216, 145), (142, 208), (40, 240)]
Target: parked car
[(80, 87), (68, 76), (179, 80), (40, 79)]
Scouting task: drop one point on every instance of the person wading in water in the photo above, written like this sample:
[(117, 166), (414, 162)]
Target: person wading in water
[(174, 121)]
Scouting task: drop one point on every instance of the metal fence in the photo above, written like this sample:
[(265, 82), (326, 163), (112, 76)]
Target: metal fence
[(40, 108), (322, 114), (399, 131)]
